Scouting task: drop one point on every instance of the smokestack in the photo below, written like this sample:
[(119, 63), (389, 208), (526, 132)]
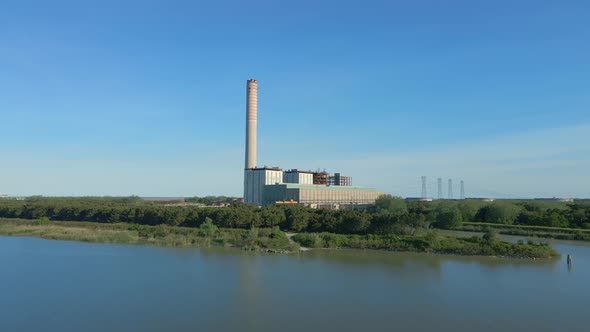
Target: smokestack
[(251, 119)]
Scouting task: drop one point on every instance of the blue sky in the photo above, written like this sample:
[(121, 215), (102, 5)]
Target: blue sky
[(148, 97)]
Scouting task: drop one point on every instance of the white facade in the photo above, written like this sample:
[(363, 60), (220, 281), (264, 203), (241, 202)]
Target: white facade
[(298, 177), (255, 181), (320, 194)]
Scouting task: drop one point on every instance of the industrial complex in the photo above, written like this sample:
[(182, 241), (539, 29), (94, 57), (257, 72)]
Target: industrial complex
[(272, 185)]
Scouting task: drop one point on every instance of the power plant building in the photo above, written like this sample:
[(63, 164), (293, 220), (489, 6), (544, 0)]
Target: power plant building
[(297, 176), (310, 194), (271, 185), (256, 180)]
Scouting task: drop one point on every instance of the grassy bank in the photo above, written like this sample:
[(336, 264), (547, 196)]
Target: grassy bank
[(430, 242), (266, 239), (162, 235), (528, 231)]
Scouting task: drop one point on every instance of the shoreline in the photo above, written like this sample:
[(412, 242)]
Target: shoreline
[(270, 240), (569, 234)]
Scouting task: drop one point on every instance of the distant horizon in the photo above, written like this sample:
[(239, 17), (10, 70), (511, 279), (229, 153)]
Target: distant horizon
[(230, 196), (130, 98)]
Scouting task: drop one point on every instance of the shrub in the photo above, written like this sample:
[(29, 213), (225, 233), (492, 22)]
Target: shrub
[(207, 228), (42, 221), (490, 236)]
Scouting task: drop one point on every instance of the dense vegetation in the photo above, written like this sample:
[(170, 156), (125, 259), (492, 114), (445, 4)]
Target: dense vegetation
[(388, 216), (208, 200), (268, 239), (429, 242), (529, 231)]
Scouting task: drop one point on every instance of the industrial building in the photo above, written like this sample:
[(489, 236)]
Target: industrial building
[(297, 176), (555, 199), (311, 194), (419, 199), (272, 185)]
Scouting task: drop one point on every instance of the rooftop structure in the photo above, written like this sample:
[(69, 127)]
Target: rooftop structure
[(339, 180), (321, 177), (297, 176)]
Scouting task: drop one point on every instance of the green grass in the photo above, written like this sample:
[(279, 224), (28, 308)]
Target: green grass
[(529, 231), (264, 239), (430, 242), (539, 228), (161, 235)]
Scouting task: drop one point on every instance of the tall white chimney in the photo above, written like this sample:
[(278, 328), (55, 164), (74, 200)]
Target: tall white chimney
[(251, 119)]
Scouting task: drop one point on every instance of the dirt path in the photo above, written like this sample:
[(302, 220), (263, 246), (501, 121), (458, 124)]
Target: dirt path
[(290, 237)]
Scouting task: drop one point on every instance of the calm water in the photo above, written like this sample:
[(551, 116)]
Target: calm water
[(70, 286)]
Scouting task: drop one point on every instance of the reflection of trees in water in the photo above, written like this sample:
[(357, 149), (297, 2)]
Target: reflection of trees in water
[(419, 265), (246, 303), (409, 265), (249, 303)]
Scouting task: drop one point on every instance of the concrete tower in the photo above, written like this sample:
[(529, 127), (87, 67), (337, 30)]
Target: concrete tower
[(251, 120)]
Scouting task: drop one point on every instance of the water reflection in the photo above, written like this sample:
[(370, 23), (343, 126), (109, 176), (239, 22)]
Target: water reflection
[(227, 289)]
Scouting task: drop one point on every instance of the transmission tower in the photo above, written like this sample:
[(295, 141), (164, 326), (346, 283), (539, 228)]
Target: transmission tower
[(462, 190), (439, 181), (450, 189), (424, 193)]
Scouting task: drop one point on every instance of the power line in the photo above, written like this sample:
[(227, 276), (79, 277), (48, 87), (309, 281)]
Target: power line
[(450, 189), (462, 190)]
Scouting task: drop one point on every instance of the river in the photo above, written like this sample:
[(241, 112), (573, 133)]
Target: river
[(71, 286)]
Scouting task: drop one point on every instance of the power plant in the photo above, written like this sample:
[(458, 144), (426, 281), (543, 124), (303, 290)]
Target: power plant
[(272, 185)]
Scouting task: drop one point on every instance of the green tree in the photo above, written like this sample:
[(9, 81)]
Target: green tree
[(490, 236), (385, 223), (469, 209), (448, 217), (355, 222), (207, 228), (297, 217), (271, 216), (498, 213), (390, 204)]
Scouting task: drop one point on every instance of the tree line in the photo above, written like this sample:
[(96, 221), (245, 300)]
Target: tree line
[(389, 215)]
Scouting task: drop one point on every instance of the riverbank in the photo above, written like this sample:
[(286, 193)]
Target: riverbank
[(266, 239), (573, 234), (431, 242)]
